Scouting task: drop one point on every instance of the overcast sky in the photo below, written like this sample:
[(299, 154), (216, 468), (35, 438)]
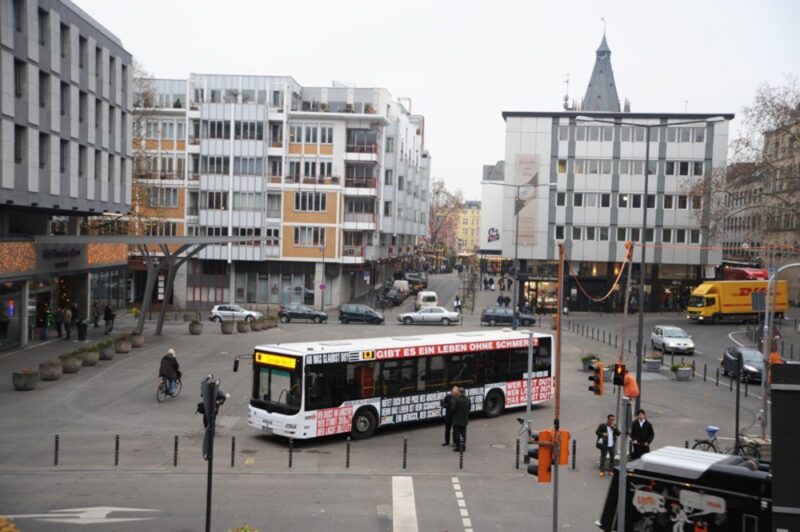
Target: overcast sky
[(464, 62)]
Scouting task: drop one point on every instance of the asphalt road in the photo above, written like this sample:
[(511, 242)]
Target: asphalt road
[(87, 410)]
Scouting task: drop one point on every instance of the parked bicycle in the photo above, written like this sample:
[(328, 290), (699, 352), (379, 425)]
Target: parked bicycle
[(163, 386), (711, 444)]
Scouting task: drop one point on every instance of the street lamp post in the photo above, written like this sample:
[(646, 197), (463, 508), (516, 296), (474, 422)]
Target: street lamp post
[(516, 240), (643, 235)]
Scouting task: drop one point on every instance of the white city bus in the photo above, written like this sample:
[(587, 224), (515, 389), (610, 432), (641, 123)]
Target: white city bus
[(310, 389)]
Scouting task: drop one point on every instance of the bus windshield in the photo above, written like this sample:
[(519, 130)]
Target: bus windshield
[(277, 389)]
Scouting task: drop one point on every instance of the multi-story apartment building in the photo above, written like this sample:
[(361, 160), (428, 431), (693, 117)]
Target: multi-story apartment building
[(65, 141), (469, 225), (331, 182), (587, 189)]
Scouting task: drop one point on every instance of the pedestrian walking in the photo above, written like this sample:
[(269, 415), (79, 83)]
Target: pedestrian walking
[(68, 322), (457, 304), (607, 434), (108, 317), (47, 322), (642, 435), (448, 404), (506, 301), (460, 419), (76, 316), (95, 314), (58, 320), (500, 300)]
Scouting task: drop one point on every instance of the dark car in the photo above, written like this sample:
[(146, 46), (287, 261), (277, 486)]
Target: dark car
[(503, 315), (394, 295), (296, 311), (417, 281), (752, 363), (359, 313)]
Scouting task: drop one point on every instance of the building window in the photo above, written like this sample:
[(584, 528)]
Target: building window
[(580, 133), (666, 236), (64, 40), (326, 135), (605, 200), (562, 166), (590, 199), (401, 181), (699, 134), (294, 169), (64, 99), (672, 134), (625, 133), (621, 234), (669, 201), (248, 130), (683, 202), (214, 200), (594, 133), (44, 150), (20, 143), (82, 53), (622, 201), (389, 144), (639, 134), (636, 202), (161, 229), (607, 166), (44, 89), (98, 62), (97, 164), (559, 232), (44, 27), (686, 134), (683, 168), (388, 179), (310, 201), (670, 168), (19, 78), (648, 234), (590, 233), (698, 168), (311, 134), (694, 236), (635, 234), (563, 132), (624, 167), (577, 199), (604, 234), (697, 202), (637, 167), (594, 167), (310, 168), (560, 199), (63, 156), (295, 133), (387, 208), (247, 201), (82, 161), (680, 236), (309, 236), (82, 103), (326, 169), (608, 133), (651, 201), (576, 233)]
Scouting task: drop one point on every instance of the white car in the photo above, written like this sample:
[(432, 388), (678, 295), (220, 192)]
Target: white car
[(233, 313), (430, 315), (671, 340)]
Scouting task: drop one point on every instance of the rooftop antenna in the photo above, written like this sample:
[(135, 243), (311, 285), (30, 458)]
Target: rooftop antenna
[(603, 18), (566, 91)]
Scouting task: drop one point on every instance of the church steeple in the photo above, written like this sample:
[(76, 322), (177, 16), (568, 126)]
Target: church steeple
[(601, 94)]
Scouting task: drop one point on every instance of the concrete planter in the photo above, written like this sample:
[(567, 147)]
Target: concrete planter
[(107, 353), (72, 364), (242, 326), (51, 370), (226, 327), (195, 328), (24, 382), (123, 345), (255, 325), (683, 374), (90, 358), (652, 364), (137, 340)]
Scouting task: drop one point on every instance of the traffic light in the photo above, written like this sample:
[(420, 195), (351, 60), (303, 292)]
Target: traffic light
[(630, 388), (542, 452), (596, 378), (628, 250), (563, 447), (619, 374)]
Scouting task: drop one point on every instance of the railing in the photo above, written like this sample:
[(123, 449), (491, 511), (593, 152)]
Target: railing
[(362, 148), (276, 143), (273, 213), (367, 217), (353, 251), (192, 211), (370, 182)]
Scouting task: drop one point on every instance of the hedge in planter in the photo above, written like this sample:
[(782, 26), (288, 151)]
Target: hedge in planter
[(71, 362), (123, 344), (256, 325), (25, 379), (51, 370), (137, 339), (227, 327), (90, 356), (106, 350), (242, 326), (683, 372), (195, 327)]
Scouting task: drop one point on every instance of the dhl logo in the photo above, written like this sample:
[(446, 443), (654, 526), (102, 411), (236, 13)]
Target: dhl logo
[(746, 291)]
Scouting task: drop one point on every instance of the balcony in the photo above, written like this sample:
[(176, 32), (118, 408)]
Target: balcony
[(361, 217), (362, 148), (273, 213), (353, 251), (361, 186), (296, 180)]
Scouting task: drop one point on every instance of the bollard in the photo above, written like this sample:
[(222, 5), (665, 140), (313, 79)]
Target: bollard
[(116, 450), (705, 371), (347, 455), (175, 453), (716, 379), (745, 388), (629, 345), (405, 451), (233, 450), (291, 450), (615, 341), (55, 457), (574, 452), (604, 337), (461, 459), (693, 369), (516, 459)]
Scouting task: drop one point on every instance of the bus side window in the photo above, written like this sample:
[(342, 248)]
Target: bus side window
[(322, 386), (496, 366), (541, 360), (518, 364), (434, 377), (464, 370), (749, 523), (361, 380)]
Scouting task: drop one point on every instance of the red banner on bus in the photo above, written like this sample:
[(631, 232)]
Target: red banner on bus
[(444, 349)]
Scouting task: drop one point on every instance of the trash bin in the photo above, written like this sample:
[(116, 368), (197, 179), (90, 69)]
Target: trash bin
[(83, 327)]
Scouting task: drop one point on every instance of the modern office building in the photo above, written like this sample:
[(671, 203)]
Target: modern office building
[(582, 178), (332, 183), (65, 155), (468, 229)]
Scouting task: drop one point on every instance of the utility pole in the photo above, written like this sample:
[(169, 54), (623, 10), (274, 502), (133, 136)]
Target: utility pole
[(557, 374)]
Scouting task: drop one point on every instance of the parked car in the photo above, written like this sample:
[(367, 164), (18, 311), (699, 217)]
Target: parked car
[(233, 313), (502, 315), (418, 279), (359, 313), (395, 296), (426, 299), (296, 311), (437, 315), (752, 363), (403, 287), (671, 340)]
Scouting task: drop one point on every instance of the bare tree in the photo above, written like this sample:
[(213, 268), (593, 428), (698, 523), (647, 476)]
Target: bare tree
[(444, 208)]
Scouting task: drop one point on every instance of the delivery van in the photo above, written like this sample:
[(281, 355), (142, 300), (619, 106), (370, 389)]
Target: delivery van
[(717, 301), (426, 299)]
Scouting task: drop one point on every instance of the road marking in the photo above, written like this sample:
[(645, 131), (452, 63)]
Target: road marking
[(404, 510), (86, 516), (462, 505), (734, 340)]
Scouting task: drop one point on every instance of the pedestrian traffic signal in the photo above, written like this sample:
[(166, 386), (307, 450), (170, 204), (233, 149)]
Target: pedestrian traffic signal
[(540, 449), (619, 374), (596, 378)]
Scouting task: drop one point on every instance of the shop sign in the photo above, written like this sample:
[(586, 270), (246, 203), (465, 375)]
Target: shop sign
[(59, 257)]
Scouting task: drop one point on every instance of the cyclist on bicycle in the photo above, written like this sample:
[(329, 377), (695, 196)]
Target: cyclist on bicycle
[(170, 370)]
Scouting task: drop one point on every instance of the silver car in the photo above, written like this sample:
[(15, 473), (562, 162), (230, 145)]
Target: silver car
[(671, 340), (233, 313), (438, 315)]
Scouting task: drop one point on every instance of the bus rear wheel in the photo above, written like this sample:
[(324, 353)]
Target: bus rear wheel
[(364, 424), (494, 404)]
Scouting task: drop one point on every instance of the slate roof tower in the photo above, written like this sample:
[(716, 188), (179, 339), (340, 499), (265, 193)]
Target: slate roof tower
[(601, 94)]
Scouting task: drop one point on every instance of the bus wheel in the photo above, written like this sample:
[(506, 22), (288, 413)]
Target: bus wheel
[(364, 424), (494, 404)]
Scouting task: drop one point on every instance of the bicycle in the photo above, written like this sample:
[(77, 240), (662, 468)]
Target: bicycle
[(163, 386), (710, 444)]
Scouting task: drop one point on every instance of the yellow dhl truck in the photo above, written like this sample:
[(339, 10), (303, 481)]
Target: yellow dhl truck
[(717, 301)]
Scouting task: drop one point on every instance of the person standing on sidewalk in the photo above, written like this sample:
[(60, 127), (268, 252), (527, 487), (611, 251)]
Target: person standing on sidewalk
[(460, 419), (68, 323), (642, 435), (607, 434), (448, 403), (108, 317), (59, 320), (95, 314)]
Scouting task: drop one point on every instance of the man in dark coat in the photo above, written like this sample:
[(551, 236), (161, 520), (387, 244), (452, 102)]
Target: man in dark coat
[(448, 403), (642, 435), (108, 317), (170, 370), (460, 419), (607, 434)]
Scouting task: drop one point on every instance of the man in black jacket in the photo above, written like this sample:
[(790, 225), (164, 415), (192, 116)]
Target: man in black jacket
[(448, 403), (607, 434), (460, 419), (642, 435), (170, 370)]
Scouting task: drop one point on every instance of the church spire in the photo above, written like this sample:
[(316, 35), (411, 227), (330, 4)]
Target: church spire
[(601, 94)]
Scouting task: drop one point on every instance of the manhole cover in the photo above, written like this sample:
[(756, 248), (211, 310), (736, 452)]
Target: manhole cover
[(499, 446)]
